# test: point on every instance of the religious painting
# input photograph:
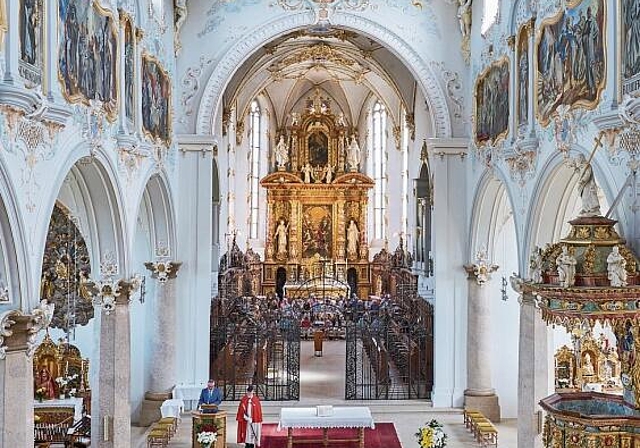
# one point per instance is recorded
(492, 103)
(522, 76)
(630, 45)
(570, 58)
(156, 100)
(66, 270)
(318, 144)
(317, 231)
(88, 54)
(31, 45)
(129, 66)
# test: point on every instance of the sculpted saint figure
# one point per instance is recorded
(353, 154)
(535, 265)
(282, 153)
(616, 268)
(588, 369)
(328, 174)
(353, 236)
(281, 237)
(587, 188)
(307, 171)
(464, 17)
(566, 268)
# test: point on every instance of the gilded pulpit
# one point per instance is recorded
(317, 205)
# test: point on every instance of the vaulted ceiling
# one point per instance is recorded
(348, 67)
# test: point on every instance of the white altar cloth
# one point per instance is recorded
(172, 407)
(75, 403)
(189, 393)
(343, 417)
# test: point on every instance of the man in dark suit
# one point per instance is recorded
(210, 394)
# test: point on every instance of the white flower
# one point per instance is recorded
(207, 437)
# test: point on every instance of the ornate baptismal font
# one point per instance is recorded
(590, 276)
(317, 207)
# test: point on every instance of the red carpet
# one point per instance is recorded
(384, 436)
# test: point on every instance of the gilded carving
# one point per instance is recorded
(589, 260)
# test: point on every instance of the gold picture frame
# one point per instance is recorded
(152, 67)
(491, 88)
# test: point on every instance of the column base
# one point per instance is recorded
(150, 411)
(487, 404)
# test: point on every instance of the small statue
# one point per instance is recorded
(588, 369)
(616, 268)
(566, 268)
(281, 236)
(535, 265)
(340, 120)
(306, 172)
(295, 118)
(328, 174)
(353, 154)
(464, 17)
(282, 153)
(587, 188)
(180, 16)
(353, 237)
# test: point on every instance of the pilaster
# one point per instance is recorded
(448, 159)
(480, 394)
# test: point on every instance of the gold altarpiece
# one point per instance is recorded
(317, 204)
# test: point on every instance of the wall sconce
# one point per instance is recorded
(503, 289)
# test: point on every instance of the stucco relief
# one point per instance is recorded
(244, 47)
(190, 86)
(453, 85)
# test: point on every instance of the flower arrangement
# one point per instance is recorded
(64, 381)
(432, 435)
(207, 434)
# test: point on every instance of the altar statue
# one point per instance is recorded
(566, 268)
(535, 265)
(616, 268)
(353, 154)
(45, 385)
(328, 174)
(281, 237)
(306, 172)
(588, 369)
(464, 17)
(353, 236)
(282, 153)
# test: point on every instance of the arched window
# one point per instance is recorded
(254, 172)
(490, 9)
(379, 146)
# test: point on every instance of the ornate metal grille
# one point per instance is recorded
(389, 354)
(252, 343)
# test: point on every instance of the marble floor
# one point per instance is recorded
(322, 382)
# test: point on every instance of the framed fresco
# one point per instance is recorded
(31, 44)
(630, 46)
(570, 57)
(522, 76)
(317, 233)
(156, 100)
(88, 54)
(129, 65)
(491, 104)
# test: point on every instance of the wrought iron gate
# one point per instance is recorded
(252, 343)
(389, 356)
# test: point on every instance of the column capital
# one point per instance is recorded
(18, 331)
(481, 270)
(111, 293)
(163, 270)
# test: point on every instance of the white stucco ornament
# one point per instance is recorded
(481, 269)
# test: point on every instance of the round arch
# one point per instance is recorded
(490, 197)
(94, 180)
(557, 200)
(14, 250)
(243, 48)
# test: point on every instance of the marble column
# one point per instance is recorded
(17, 336)
(162, 374)
(480, 394)
(533, 373)
(111, 407)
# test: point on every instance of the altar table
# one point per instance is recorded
(172, 408)
(342, 417)
(75, 403)
(190, 393)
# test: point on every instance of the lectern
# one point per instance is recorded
(200, 419)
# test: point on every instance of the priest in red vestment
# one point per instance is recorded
(249, 419)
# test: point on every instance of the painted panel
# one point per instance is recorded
(87, 55)
(570, 58)
(156, 100)
(129, 67)
(631, 45)
(316, 231)
(31, 45)
(522, 77)
(491, 105)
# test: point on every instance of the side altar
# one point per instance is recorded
(317, 201)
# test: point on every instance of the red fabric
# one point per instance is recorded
(256, 415)
(384, 436)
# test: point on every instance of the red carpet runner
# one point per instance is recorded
(384, 436)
